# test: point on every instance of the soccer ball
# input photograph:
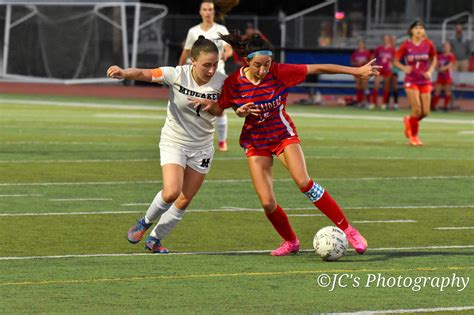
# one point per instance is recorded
(330, 243)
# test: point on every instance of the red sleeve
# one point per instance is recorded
(225, 99)
(400, 52)
(289, 74)
(452, 58)
(432, 52)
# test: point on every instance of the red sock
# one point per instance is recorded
(375, 95)
(434, 101)
(447, 101)
(280, 222)
(414, 123)
(324, 202)
(359, 96)
(367, 95)
(386, 95)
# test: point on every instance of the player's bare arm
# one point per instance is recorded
(399, 65)
(129, 74)
(364, 72)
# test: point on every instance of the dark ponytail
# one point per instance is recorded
(244, 46)
(203, 45)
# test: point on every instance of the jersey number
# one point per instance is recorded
(197, 110)
(205, 162)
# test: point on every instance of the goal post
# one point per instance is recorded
(75, 42)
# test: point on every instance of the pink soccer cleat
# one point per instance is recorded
(286, 248)
(355, 239)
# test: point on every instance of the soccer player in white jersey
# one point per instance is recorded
(186, 143)
(210, 30)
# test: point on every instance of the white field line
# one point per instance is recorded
(386, 221)
(83, 104)
(130, 116)
(242, 252)
(306, 215)
(381, 118)
(227, 209)
(375, 158)
(21, 195)
(413, 310)
(219, 181)
(466, 132)
(455, 228)
(162, 108)
(81, 199)
(69, 143)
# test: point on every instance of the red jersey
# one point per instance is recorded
(443, 61)
(273, 124)
(384, 57)
(360, 57)
(417, 57)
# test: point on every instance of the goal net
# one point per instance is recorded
(76, 42)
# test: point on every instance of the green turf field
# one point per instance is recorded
(76, 173)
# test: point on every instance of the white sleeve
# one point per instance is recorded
(190, 39)
(170, 75)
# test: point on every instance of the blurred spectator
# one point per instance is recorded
(461, 49)
(325, 38)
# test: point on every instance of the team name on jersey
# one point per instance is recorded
(418, 57)
(188, 92)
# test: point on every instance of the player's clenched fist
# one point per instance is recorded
(115, 72)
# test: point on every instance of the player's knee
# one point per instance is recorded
(170, 195)
(269, 206)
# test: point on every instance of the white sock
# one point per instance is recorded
(156, 208)
(167, 222)
(221, 123)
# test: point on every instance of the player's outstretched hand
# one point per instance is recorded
(115, 72)
(203, 104)
(247, 109)
(369, 70)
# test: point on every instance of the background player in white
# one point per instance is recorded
(186, 143)
(211, 30)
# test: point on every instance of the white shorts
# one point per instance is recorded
(198, 160)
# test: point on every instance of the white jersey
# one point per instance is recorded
(212, 34)
(186, 126)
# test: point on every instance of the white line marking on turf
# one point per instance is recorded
(466, 132)
(85, 104)
(386, 221)
(305, 215)
(414, 310)
(389, 249)
(81, 199)
(455, 228)
(219, 181)
(383, 158)
(130, 116)
(21, 195)
(227, 209)
(163, 108)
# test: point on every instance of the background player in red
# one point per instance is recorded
(359, 58)
(384, 55)
(446, 61)
(258, 92)
(419, 57)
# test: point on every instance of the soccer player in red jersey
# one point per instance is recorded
(419, 56)
(258, 92)
(446, 61)
(384, 54)
(359, 58)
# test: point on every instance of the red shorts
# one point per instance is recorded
(386, 74)
(276, 149)
(423, 89)
(444, 81)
